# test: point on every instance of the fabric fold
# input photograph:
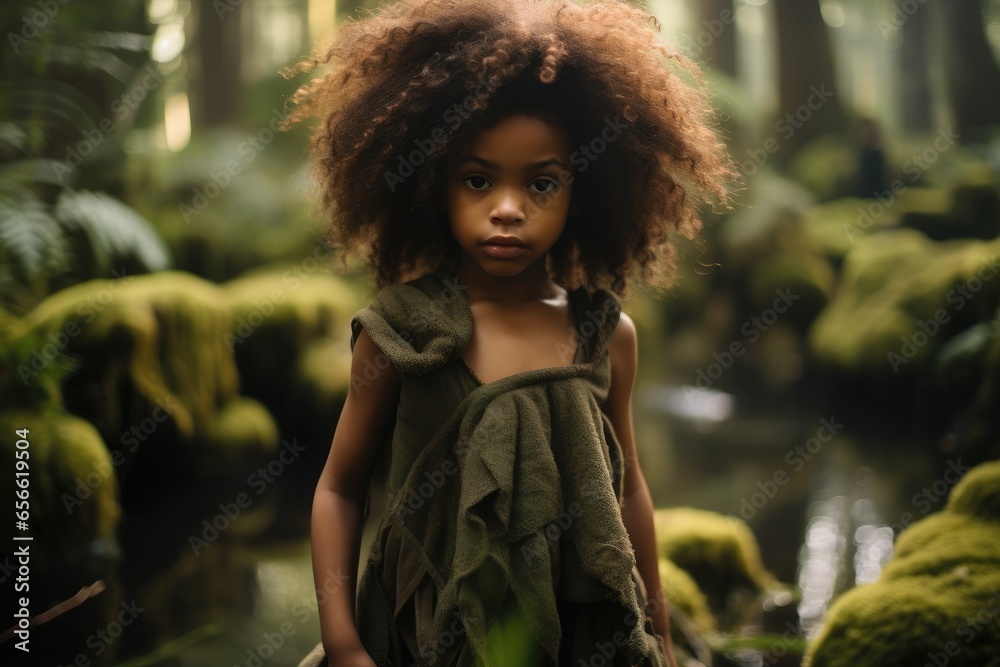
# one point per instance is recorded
(517, 493)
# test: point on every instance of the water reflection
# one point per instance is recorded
(822, 558)
(873, 543)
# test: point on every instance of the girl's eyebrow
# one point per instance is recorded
(492, 165)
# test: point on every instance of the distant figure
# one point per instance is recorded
(871, 162)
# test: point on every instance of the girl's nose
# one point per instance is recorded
(509, 208)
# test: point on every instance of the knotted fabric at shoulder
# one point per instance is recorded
(419, 325)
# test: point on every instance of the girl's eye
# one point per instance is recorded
(542, 186)
(477, 182)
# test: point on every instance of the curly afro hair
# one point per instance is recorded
(412, 84)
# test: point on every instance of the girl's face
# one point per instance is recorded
(508, 194)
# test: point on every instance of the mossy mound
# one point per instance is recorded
(839, 224)
(74, 511)
(325, 370)
(801, 276)
(828, 166)
(306, 304)
(938, 599)
(891, 283)
(772, 254)
(153, 351)
(720, 554)
(74, 522)
(683, 593)
(978, 493)
(164, 332)
(291, 337)
(836, 226)
(240, 428)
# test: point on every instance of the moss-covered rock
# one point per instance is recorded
(683, 593)
(163, 332)
(325, 370)
(291, 338)
(153, 366)
(771, 252)
(73, 522)
(937, 601)
(892, 282)
(720, 554)
(72, 486)
(240, 428)
(978, 494)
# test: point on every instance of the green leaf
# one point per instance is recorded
(114, 229)
(32, 238)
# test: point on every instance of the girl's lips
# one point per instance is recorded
(504, 250)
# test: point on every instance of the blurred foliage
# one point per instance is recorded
(60, 76)
(228, 202)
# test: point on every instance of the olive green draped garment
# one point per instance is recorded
(504, 524)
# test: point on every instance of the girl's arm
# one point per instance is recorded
(637, 505)
(340, 500)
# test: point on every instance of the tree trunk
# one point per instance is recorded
(218, 84)
(810, 105)
(914, 93)
(714, 39)
(972, 77)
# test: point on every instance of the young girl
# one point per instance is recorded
(509, 167)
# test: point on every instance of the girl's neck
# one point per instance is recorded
(531, 284)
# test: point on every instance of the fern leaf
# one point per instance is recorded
(115, 230)
(32, 238)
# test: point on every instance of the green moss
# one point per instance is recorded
(164, 332)
(831, 225)
(74, 511)
(325, 370)
(929, 547)
(683, 593)
(978, 493)
(827, 166)
(309, 304)
(836, 226)
(291, 337)
(875, 260)
(890, 283)
(932, 201)
(719, 552)
(807, 276)
(938, 596)
(242, 429)
(903, 622)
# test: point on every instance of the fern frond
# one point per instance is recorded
(113, 229)
(31, 238)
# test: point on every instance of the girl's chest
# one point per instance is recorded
(506, 342)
